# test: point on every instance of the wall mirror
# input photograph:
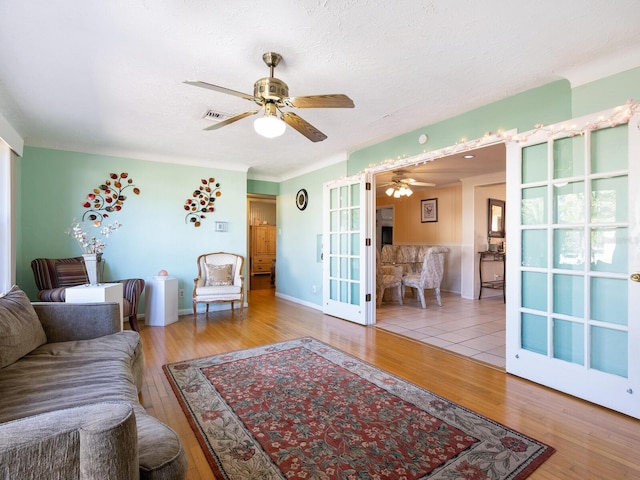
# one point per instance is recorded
(496, 218)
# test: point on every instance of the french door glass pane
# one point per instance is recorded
(344, 198)
(355, 195)
(568, 341)
(334, 219)
(355, 219)
(568, 157)
(609, 149)
(334, 246)
(344, 243)
(534, 163)
(355, 294)
(534, 333)
(534, 248)
(609, 300)
(609, 200)
(344, 292)
(609, 350)
(334, 199)
(333, 290)
(534, 206)
(568, 294)
(569, 249)
(609, 250)
(569, 203)
(355, 244)
(334, 267)
(344, 220)
(534, 290)
(355, 269)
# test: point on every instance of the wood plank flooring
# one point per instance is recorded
(591, 442)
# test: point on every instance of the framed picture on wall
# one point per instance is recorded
(429, 210)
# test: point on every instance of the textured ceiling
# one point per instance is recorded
(106, 77)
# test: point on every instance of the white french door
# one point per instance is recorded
(348, 280)
(573, 299)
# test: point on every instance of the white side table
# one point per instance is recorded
(103, 292)
(161, 305)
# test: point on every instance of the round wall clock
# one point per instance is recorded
(302, 199)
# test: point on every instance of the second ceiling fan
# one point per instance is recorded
(400, 184)
(272, 94)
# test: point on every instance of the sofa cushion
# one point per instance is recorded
(20, 330)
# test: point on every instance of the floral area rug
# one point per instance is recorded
(304, 410)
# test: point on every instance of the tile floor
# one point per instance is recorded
(474, 328)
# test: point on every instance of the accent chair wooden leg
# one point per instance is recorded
(194, 309)
(133, 322)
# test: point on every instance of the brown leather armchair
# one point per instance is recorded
(54, 275)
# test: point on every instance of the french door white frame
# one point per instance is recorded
(347, 249)
(617, 392)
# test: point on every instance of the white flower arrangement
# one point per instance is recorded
(92, 243)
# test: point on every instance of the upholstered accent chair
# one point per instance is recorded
(219, 279)
(430, 276)
(54, 275)
(387, 276)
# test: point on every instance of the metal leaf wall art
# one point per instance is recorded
(108, 197)
(202, 201)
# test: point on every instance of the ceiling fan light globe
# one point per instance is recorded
(408, 192)
(396, 194)
(269, 126)
(389, 191)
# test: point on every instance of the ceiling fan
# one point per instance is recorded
(272, 94)
(400, 184)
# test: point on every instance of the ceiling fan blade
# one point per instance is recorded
(304, 127)
(222, 90)
(215, 126)
(423, 184)
(320, 101)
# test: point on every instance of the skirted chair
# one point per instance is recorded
(387, 276)
(430, 276)
(219, 279)
(54, 275)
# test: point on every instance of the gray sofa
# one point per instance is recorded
(69, 409)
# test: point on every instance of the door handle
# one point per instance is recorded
(635, 277)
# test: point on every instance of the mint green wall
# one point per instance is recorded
(547, 104)
(298, 270)
(606, 93)
(154, 235)
(260, 187)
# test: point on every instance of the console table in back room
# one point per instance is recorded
(495, 283)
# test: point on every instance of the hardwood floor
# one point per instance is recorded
(591, 442)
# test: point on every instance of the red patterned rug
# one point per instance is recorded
(302, 409)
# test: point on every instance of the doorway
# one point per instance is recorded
(261, 223)
(462, 187)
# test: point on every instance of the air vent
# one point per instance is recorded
(215, 115)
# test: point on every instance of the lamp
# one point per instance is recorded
(269, 125)
(398, 191)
